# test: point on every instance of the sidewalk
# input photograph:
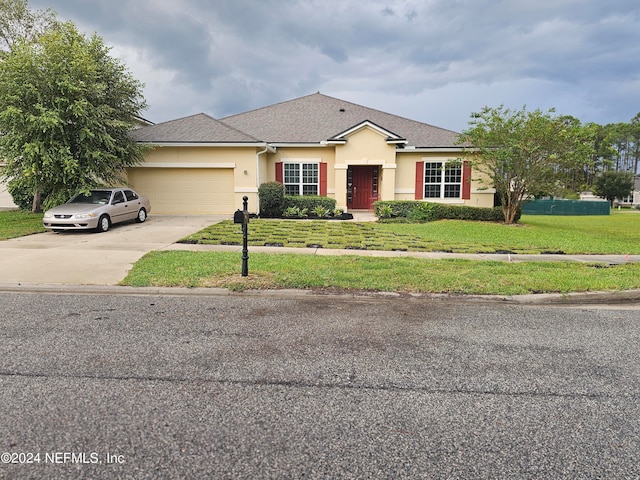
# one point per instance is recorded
(498, 257)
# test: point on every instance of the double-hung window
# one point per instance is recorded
(301, 178)
(442, 180)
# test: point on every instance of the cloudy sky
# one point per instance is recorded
(435, 61)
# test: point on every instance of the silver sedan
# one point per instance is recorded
(98, 210)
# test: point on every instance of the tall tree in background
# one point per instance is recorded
(573, 172)
(624, 139)
(18, 23)
(66, 110)
(521, 153)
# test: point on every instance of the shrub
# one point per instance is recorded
(321, 212)
(418, 211)
(385, 211)
(398, 208)
(310, 202)
(294, 212)
(425, 212)
(21, 194)
(272, 203)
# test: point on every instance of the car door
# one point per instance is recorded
(134, 203)
(119, 210)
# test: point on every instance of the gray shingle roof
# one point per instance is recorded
(317, 117)
(311, 119)
(198, 128)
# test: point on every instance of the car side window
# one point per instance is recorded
(131, 196)
(118, 198)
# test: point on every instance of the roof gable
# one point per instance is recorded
(390, 136)
(316, 118)
(200, 128)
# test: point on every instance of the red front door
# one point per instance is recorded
(361, 188)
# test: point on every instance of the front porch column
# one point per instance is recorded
(341, 186)
(388, 182)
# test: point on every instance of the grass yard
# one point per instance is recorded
(618, 233)
(18, 223)
(274, 271)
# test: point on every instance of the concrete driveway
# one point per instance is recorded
(88, 258)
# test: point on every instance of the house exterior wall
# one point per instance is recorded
(241, 160)
(301, 154)
(365, 147)
(369, 147)
(406, 179)
(397, 168)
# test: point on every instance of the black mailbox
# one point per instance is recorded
(242, 217)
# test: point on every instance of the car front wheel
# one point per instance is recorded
(103, 223)
(142, 215)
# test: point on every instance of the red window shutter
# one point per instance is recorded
(323, 179)
(419, 180)
(466, 180)
(279, 172)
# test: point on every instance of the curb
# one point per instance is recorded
(578, 298)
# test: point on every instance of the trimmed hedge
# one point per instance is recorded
(271, 195)
(418, 211)
(310, 202)
(273, 201)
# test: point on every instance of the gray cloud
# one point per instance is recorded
(434, 61)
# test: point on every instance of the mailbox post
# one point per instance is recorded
(243, 218)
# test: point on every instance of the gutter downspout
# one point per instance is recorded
(267, 148)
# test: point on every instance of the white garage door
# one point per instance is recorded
(185, 190)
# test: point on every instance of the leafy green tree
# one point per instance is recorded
(521, 153)
(612, 185)
(66, 111)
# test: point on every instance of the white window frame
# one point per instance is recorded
(301, 183)
(442, 183)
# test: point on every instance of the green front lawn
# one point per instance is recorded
(403, 274)
(18, 223)
(615, 234)
(618, 233)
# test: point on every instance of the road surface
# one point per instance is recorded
(287, 386)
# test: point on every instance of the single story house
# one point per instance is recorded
(314, 145)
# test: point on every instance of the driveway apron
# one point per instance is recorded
(88, 258)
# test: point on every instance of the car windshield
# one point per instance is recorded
(98, 197)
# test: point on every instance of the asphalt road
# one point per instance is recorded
(263, 386)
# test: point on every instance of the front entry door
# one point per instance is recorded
(362, 187)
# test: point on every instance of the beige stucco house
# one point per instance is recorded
(314, 145)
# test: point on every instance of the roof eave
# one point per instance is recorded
(411, 149)
(300, 144)
(204, 144)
